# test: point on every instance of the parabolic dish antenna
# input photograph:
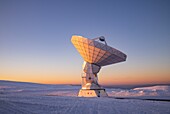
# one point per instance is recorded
(96, 53)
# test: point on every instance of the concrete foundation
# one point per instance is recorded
(92, 93)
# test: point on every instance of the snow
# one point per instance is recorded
(30, 98)
(154, 92)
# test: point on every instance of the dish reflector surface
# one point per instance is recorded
(96, 52)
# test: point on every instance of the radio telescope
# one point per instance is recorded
(96, 53)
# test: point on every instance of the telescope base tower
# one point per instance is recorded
(92, 93)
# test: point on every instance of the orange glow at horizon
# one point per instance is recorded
(112, 75)
(108, 80)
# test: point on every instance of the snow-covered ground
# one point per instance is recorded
(30, 98)
(152, 92)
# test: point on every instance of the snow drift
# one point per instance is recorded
(162, 92)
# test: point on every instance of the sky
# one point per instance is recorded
(35, 39)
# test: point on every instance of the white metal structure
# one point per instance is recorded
(96, 53)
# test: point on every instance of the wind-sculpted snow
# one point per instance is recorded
(143, 92)
(29, 98)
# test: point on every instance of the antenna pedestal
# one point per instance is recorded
(90, 86)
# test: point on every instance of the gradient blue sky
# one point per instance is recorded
(35, 38)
